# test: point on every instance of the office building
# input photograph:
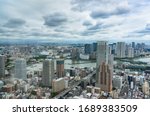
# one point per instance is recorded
(2, 66)
(94, 47)
(130, 52)
(48, 72)
(58, 85)
(88, 48)
(102, 53)
(133, 44)
(105, 77)
(20, 69)
(145, 88)
(75, 54)
(60, 68)
(121, 49)
(117, 82)
(104, 71)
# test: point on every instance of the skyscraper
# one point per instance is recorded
(133, 44)
(60, 68)
(104, 66)
(88, 48)
(75, 54)
(48, 72)
(2, 66)
(121, 49)
(105, 77)
(102, 52)
(130, 52)
(94, 47)
(20, 69)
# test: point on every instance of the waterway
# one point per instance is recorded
(77, 64)
(146, 59)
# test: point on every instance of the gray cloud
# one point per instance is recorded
(95, 27)
(82, 5)
(91, 30)
(88, 32)
(106, 14)
(87, 23)
(55, 19)
(145, 31)
(14, 23)
(101, 8)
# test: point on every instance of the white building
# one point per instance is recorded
(20, 69)
(117, 82)
(84, 56)
(145, 88)
(58, 85)
(130, 52)
(121, 49)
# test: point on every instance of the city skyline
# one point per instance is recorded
(75, 20)
(89, 71)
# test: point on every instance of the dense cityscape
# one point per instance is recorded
(99, 70)
(74, 49)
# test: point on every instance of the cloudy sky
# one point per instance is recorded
(75, 19)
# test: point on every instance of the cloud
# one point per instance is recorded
(145, 31)
(55, 19)
(14, 23)
(75, 19)
(87, 23)
(107, 13)
(101, 8)
(91, 29)
(95, 27)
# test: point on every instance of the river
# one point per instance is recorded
(80, 64)
(147, 60)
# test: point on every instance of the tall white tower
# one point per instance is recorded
(121, 49)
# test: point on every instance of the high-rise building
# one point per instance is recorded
(104, 71)
(88, 48)
(75, 54)
(121, 49)
(2, 66)
(105, 77)
(48, 72)
(94, 47)
(60, 68)
(102, 52)
(20, 69)
(130, 52)
(133, 44)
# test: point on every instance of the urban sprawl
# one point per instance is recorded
(99, 70)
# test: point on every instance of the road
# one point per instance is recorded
(61, 94)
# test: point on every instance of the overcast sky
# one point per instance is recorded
(75, 19)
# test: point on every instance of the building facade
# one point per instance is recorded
(104, 68)
(48, 72)
(121, 49)
(60, 68)
(20, 69)
(2, 66)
